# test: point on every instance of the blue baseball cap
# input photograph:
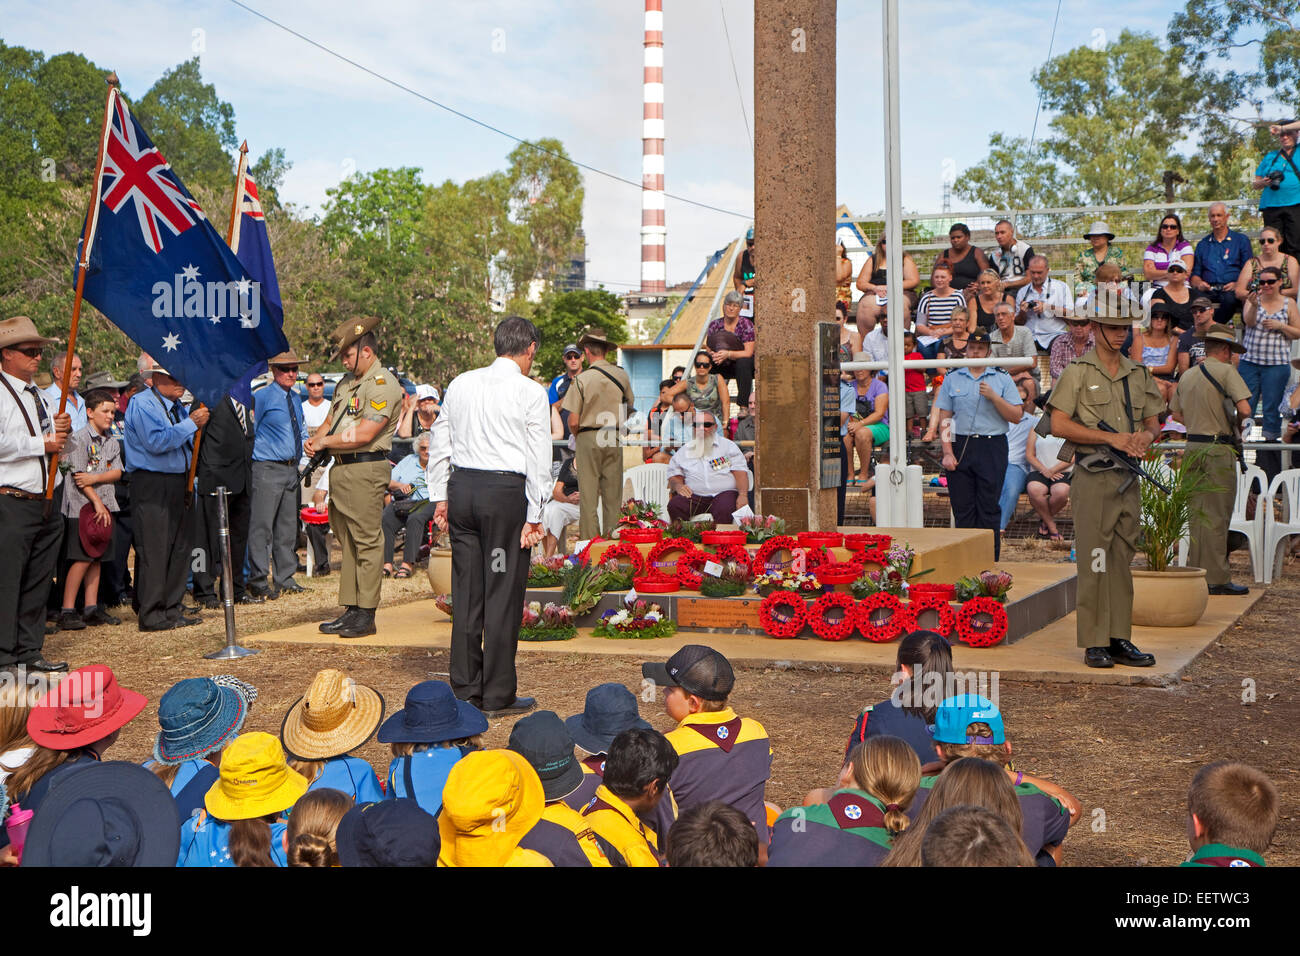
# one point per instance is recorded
(955, 714)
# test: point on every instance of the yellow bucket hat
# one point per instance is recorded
(491, 799)
(336, 716)
(255, 780)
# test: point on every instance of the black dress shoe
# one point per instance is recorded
(209, 601)
(361, 625)
(249, 598)
(322, 570)
(292, 587)
(262, 591)
(522, 705)
(164, 626)
(343, 620)
(71, 621)
(100, 617)
(1236, 590)
(302, 568)
(184, 621)
(1098, 657)
(1123, 652)
(44, 666)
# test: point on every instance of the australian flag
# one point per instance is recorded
(163, 275)
(252, 247)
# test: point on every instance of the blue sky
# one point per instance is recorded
(572, 69)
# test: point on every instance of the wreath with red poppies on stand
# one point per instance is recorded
(732, 552)
(625, 549)
(832, 616)
(783, 614)
(584, 556)
(781, 542)
(690, 568)
(664, 549)
(883, 628)
(977, 631)
(857, 542)
(814, 558)
(876, 554)
(922, 601)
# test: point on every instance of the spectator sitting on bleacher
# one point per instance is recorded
(1012, 341)
(675, 427)
(1013, 485)
(1042, 303)
(707, 475)
(410, 507)
(1075, 344)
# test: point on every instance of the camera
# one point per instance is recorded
(1274, 179)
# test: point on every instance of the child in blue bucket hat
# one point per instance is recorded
(608, 710)
(198, 717)
(428, 736)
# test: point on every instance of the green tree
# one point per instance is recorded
(385, 206)
(191, 126)
(269, 172)
(562, 316)
(545, 195)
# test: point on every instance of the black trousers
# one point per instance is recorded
(742, 370)
(319, 543)
(207, 537)
(31, 548)
(1286, 220)
(162, 553)
(114, 574)
(489, 572)
(975, 487)
(1226, 305)
(841, 493)
(414, 515)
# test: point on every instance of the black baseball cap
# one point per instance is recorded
(696, 669)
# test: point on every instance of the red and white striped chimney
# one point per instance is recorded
(654, 273)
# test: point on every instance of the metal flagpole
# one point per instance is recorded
(231, 651)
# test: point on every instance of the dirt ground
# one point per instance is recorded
(1128, 753)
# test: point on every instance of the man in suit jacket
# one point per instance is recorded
(225, 458)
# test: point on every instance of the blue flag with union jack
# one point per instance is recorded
(252, 246)
(163, 275)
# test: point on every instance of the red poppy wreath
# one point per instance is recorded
(584, 556)
(665, 555)
(783, 614)
(629, 553)
(770, 547)
(732, 552)
(932, 612)
(883, 627)
(832, 616)
(974, 629)
(689, 565)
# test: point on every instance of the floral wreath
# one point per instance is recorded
(876, 554)
(996, 630)
(657, 553)
(781, 542)
(733, 552)
(830, 573)
(689, 566)
(827, 629)
(931, 601)
(625, 549)
(815, 557)
(815, 539)
(900, 621)
(634, 534)
(783, 614)
(944, 592)
(584, 556)
(859, 542)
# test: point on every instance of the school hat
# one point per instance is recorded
(94, 537)
(572, 349)
(85, 706)
(432, 715)
(491, 800)
(955, 714)
(255, 780)
(609, 710)
(337, 715)
(1222, 333)
(696, 669)
(199, 715)
(543, 741)
(1172, 425)
(1099, 228)
(105, 814)
(1201, 302)
(388, 833)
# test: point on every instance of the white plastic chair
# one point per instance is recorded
(650, 483)
(1277, 530)
(1252, 528)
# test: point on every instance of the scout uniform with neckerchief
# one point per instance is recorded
(1105, 521)
(1199, 403)
(359, 478)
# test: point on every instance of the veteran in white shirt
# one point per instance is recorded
(489, 474)
(708, 474)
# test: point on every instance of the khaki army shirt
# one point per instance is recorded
(596, 399)
(375, 396)
(1087, 393)
(1201, 405)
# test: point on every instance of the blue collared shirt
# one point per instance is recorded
(76, 405)
(972, 413)
(152, 440)
(409, 471)
(1219, 263)
(273, 430)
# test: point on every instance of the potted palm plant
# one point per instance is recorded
(1165, 595)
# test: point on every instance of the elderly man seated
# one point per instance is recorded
(707, 474)
(410, 506)
(561, 509)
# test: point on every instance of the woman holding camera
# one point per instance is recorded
(1271, 255)
(1272, 323)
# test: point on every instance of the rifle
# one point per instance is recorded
(320, 458)
(1136, 470)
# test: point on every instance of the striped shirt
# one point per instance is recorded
(1264, 347)
(936, 312)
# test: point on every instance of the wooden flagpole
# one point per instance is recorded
(232, 240)
(83, 263)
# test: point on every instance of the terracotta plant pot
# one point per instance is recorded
(440, 570)
(1173, 598)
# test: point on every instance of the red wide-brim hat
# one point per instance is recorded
(94, 536)
(85, 706)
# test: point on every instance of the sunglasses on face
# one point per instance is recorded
(31, 352)
(1169, 225)
(708, 425)
(315, 384)
(1267, 241)
(703, 365)
(1268, 282)
(286, 368)
(1080, 324)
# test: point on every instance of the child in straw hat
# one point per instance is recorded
(336, 716)
(428, 736)
(243, 824)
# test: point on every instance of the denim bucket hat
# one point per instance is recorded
(200, 715)
(432, 715)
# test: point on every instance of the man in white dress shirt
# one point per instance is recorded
(29, 434)
(707, 475)
(494, 437)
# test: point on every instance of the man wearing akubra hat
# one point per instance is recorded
(359, 434)
(29, 434)
(1104, 385)
(597, 403)
(1202, 403)
(158, 442)
(280, 433)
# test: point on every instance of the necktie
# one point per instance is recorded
(41, 414)
(242, 414)
(174, 413)
(294, 426)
